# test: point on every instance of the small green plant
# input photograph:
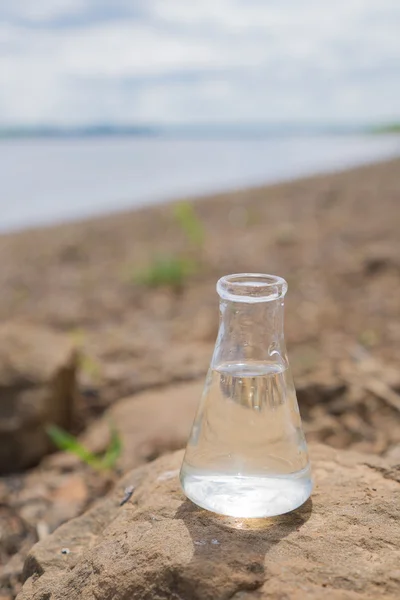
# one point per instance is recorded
(67, 442)
(173, 270)
(90, 366)
(170, 271)
(190, 223)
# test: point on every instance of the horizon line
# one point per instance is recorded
(204, 128)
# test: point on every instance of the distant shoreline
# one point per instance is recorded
(205, 130)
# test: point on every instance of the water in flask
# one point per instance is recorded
(247, 455)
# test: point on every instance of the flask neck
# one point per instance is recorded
(251, 332)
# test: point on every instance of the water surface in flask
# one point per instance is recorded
(247, 456)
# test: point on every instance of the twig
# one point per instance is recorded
(127, 495)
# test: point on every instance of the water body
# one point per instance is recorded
(47, 181)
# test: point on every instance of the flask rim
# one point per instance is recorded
(251, 287)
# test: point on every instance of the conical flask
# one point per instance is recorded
(247, 455)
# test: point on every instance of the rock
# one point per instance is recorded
(150, 423)
(37, 387)
(342, 544)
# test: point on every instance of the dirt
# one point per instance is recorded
(333, 237)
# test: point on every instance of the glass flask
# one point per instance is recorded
(247, 455)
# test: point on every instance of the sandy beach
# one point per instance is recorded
(333, 237)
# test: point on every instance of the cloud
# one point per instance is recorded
(76, 61)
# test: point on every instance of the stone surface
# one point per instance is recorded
(158, 421)
(343, 544)
(37, 387)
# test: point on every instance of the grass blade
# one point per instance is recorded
(67, 442)
(113, 451)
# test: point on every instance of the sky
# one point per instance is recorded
(82, 62)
